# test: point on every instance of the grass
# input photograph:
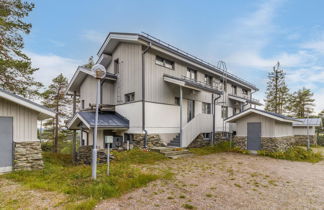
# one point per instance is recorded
(295, 154)
(217, 148)
(61, 176)
(188, 206)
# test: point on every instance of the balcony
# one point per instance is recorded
(244, 98)
(192, 84)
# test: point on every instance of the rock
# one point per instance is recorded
(28, 155)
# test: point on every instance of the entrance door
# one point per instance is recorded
(191, 109)
(6, 140)
(254, 136)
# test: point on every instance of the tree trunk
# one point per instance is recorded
(56, 134)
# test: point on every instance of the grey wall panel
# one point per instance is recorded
(6, 140)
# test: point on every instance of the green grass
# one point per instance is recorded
(295, 154)
(60, 175)
(217, 148)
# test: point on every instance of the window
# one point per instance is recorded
(207, 136)
(177, 101)
(224, 85)
(236, 111)
(245, 92)
(206, 108)
(234, 90)
(129, 97)
(116, 66)
(191, 74)
(208, 80)
(82, 104)
(164, 62)
(224, 112)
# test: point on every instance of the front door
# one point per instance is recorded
(254, 136)
(191, 109)
(6, 140)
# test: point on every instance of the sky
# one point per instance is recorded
(250, 36)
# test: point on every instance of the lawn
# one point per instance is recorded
(75, 181)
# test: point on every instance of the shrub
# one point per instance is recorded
(295, 154)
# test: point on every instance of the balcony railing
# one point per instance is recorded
(247, 98)
(202, 83)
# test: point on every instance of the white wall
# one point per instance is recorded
(283, 129)
(303, 130)
(133, 112)
(88, 91)
(24, 120)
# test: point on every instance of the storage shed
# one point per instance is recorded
(19, 147)
(300, 130)
(262, 130)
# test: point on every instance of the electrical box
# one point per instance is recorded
(109, 139)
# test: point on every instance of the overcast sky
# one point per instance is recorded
(250, 36)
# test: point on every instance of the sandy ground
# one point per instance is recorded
(230, 181)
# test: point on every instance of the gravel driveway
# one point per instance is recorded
(230, 181)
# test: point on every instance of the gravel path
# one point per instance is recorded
(230, 181)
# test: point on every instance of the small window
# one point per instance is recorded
(129, 97)
(207, 136)
(206, 108)
(245, 92)
(116, 66)
(82, 104)
(191, 74)
(224, 112)
(234, 90)
(164, 62)
(177, 101)
(236, 111)
(208, 80)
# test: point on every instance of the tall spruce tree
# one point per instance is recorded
(55, 98)
(277, 93)
(16, 72)
(301, 103)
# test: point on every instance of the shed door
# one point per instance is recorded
(254, 136)
(5, 144)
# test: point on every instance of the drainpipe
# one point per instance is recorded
(214, 114)
(143, 93)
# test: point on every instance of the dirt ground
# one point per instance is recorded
(230, 181)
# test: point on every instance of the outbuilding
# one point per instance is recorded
(262, 130)
(304, 128)
(20, 148)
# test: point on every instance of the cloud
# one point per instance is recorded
(51, 66)
(93, 36)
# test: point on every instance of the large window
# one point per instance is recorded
(129, 97)
(234, 90)
(192, 74)
(208, 80)
(164, 62)
(245, 92)
(206, 108)
(116, 66)
(224, 112)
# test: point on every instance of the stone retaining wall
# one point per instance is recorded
(153, 140)
(85, 155)
(199, 142)
(240, 142)
(302, 140)
(28, 155)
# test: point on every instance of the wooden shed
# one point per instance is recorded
(262, 130)
(19, 146)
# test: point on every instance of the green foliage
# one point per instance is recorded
(301, 103)
(295, 154)
(188, 206)
(15, 67)
(90, 63)
(277, 93)
(62, 176)
(220, 147)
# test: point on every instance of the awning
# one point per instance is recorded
(109, 120)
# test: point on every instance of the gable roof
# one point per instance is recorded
(272, 115)
(114, 38)
(43, 111)
(311, 122)
(105, 120)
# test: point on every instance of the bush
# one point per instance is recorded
(295, 154)
(47, 146)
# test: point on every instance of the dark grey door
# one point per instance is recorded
(191, 109)
(5, 142)
(254, 136)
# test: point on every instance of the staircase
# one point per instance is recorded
(175, 142)
(173, 153)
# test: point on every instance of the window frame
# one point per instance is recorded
(191, 72)
(163, 62)
(210, 79)
(129, 97)
(245, 92)
(116, 66)
(224, 112)
(206, 108)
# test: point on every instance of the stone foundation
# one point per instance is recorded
(85, 155)
(270, 144)
(153, 140)
(199, 142)
(301, 140)
(28, 155)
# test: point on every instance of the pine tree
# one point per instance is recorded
(15, 67)
(90, 63)
(301, 103)
(277, 93)
(55, 98)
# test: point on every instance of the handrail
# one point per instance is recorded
(201, 123)
(201, 83)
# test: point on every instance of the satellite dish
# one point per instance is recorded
(99, 70)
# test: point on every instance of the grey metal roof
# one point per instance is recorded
(310, 122)
(278, 115)
(105, 119)
(26, 100)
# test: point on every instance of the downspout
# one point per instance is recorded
(214, 115)
(143, 93)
